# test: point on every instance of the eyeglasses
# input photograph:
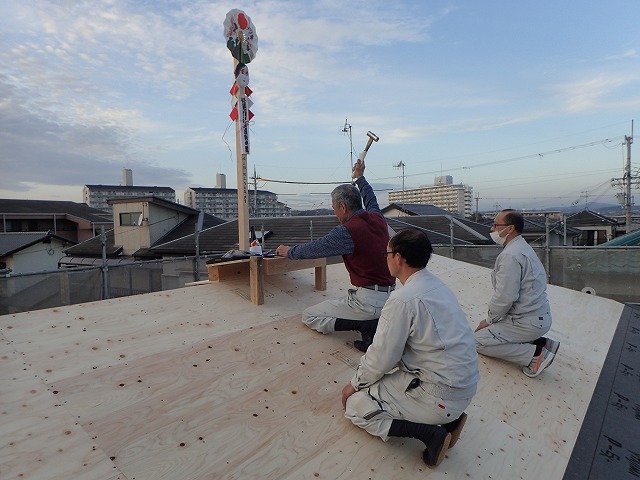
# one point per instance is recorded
(501, 225)
(387, 253)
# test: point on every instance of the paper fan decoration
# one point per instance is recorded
(240, 33)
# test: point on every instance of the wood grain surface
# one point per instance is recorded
(198, 383)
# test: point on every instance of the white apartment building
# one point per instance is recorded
(456, 199)
(223, 202)
(96, 196)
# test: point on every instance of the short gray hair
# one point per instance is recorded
(347, 194)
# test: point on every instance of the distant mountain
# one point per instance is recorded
(607, 209)
(311, 213)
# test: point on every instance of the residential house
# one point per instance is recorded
(29, 252)
(73, 221)
(139, 223)
(596, 228)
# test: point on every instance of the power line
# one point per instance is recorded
(299, 183)
(486, 164)
(514, 159)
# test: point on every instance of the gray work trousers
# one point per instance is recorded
(359, 304)
(509, 339)
(374, 409)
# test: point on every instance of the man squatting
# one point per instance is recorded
(425, 334)
(360, 238)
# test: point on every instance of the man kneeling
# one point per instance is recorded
(423, 331)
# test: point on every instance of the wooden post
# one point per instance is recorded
(256, 280)
(321, 278)
(242, 121)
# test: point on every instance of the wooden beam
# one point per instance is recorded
(277, 265)
(256, 280)
(220, 271)
(258, 267)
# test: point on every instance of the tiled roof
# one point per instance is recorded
(218, 236)
(16, 208)
(295, 230)
(537, 224)
(13, 242)
(188, 227)
(416, 209)
(155, 200)
(588, 218)
(464, 231)
(224, 237)
(93, 247)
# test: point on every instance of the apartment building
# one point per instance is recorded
(98, 196)
(223, 202)
(455, 199)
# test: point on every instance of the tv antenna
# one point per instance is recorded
(347, 129)
(401, 165)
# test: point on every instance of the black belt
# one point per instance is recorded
(380, 288)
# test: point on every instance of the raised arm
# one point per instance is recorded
(368, 197)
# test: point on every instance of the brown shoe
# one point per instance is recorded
(455, 428)
(434, 456)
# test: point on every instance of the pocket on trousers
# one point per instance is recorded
(537, 322)
(415, 383)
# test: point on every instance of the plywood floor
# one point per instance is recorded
(198, 383)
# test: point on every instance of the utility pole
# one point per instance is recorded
(255, 192)
(105, 266)
(628, 203)
(477, 212)
(626, 181)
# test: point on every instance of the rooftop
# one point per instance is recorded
(199, 383)
(43, 208)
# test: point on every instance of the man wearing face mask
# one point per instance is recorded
(519, 312)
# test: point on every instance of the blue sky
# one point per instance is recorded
(526, 102)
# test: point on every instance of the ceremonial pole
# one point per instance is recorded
(241, 161)
(242, 41)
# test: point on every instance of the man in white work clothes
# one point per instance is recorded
(519, 312)
(421, 371)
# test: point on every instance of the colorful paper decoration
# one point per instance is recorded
(240, 33)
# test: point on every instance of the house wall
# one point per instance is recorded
(36, 258)
(131, 237)
(595, 235)
(156, 222)
(162, 221)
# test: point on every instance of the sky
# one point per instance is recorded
(528, 103)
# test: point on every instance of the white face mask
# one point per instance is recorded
(495, 236)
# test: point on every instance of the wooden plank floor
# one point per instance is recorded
(198, 383)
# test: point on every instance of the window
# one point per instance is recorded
(130, 219)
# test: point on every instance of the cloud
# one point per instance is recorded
(596, 92)
(39, 148)
(631, 53)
